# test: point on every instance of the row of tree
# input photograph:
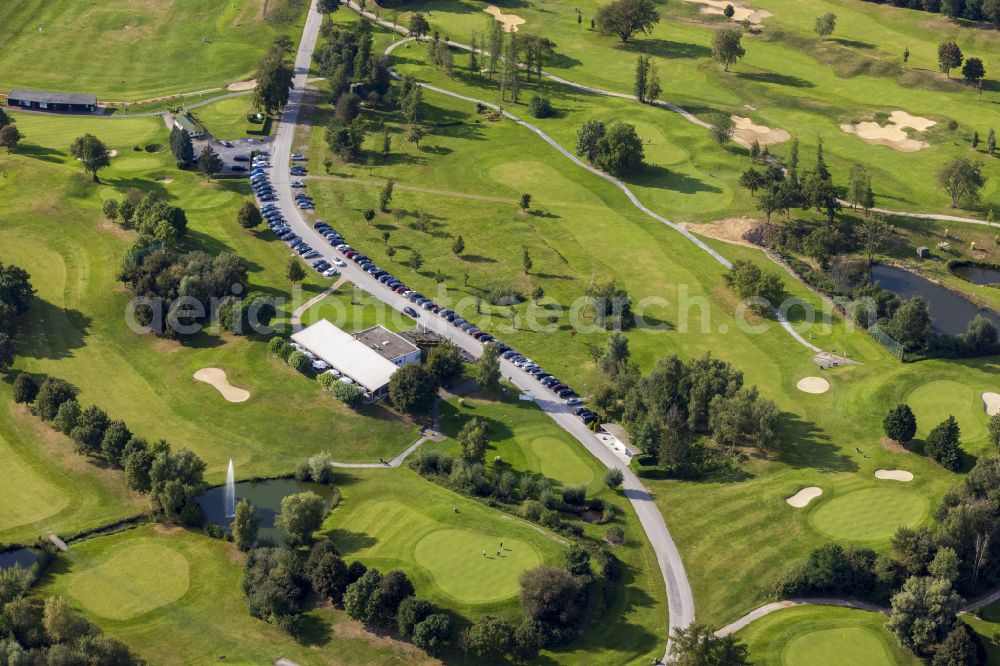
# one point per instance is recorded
(173, 479)
(972, 10)
(942, 444)
(148, 214)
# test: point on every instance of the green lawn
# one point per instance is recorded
(174, 597)
(150, 49)
(871, 514)
(810, 635)
(934, 401)
(227, 118)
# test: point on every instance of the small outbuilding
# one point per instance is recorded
(185, 122)
(389, 345)
(48, 101)
(923, 252)
(615, 437)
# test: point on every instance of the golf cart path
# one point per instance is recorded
(299, 311)
(684, 113)
(679, 596)
(413, 188)
(395, 462)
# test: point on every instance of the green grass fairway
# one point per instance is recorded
(156, 48)
(455, 559)
(934, 401)
(820, 635)
(396, 519)
(870, 514)
(27, 497)
(558, 463)
(139, 577)
(227, 118)
(206, 621)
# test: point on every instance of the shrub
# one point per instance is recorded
(320, 469)
(275, 345)
(299, 361)
(51, 395)
(504, 295)
(615, 534)
(25, 388)
(433, 634)
(412, 611)
(349, 394)
(574, 495)
(540, 107)
(613, 477)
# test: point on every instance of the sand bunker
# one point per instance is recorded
(217, 378)
(745, 132)
(804, 496)
(991, 401)
(813, 385)
(510, 21)
(238, 86)
(893, 475)
(741, 12)
(165, 181)
(892, 134)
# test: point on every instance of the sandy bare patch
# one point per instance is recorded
(813, 385)
(165, 181)
(893, 475)
(893, 133)
(112, 153)
(510, 21)
(216, 377)
(239, 86)
(741, 11)
(804, 496)
(991, 401)
(746, 131)
(730, 230)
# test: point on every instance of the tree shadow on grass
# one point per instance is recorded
(804, 445)
(653, 175)
(348, 542)
(41, 153)
(49, 331)
(666, 48)
(853, 43)
(776, 79)
(478, 259)
(312, 631)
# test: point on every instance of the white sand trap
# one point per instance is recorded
(745, 132)
(804, 496)
(813, 385)
(238, 86)
(510, 21)
(216, 377)
(165, 181)
(991, 401)
(893, 475)
(892, 134)
(741, 12)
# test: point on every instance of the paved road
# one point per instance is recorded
(679, 595)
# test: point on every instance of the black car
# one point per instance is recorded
(410, 311)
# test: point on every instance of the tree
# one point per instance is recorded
(25, 388)
(949, 57)
(942, 444)
(540, 107)
(412, 389)
(249, 216)
(347, 108)
(301, 515)
(458, 245)
(385, 196)
(51, 395)
(726, 47)
(62, 623)
(729, 11)
(624, 18)
(721, 127)
(490, 637)
(88, 433)
(587, 138)
(415, 134)
(116, 438)
(209, 162)
(328, 6)
(433, 634)
(991, 142)
(444, 361)
(526, 260)
(763, 290)
(6, 352)
(922, 611)
(753, 180)
(973, 70)
(358, 596)
(957, 649)
(857, 183)
(525, 201)
(473, 440)
(327, 572)
(548, 595)
(744, 416)
(419, 26)
(416, 260)
(181, 147)
(412, 611)
(613, 477)
(619, 151)
(697, 645)
(874, 232)
(10, 136)
(900, 425)
(994, 430)
(488, 371)
(641, 74)
(245, 525)
(383, 606)
(345, 139)
(294, 271)
(91, 152)
(652, 83)
(825, 25)
(962, 179)
(274, 80)
(910, 324)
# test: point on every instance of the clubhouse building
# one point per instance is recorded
(47, 101)
(367, 358)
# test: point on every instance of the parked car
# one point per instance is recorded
(240, 158)
(410, 311)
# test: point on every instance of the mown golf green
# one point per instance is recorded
(808, 635)
(936, 400)
(181, 603)
(870, 514)
(119, 49)
(227, 118)
(139, 577)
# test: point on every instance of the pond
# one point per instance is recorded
(591, 516)
(977, 274)
(265, 496)
(23, 556)
(950, 313)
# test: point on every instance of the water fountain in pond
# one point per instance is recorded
(230, 496)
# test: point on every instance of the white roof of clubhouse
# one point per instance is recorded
(349, 356)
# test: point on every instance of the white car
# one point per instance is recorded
(330, 272)
(320, 366)
(339, 262)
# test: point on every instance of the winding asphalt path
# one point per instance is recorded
(679, 596)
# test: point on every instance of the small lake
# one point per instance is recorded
(977, 274)
(950, 313)
(23, 556)
(265, 496)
